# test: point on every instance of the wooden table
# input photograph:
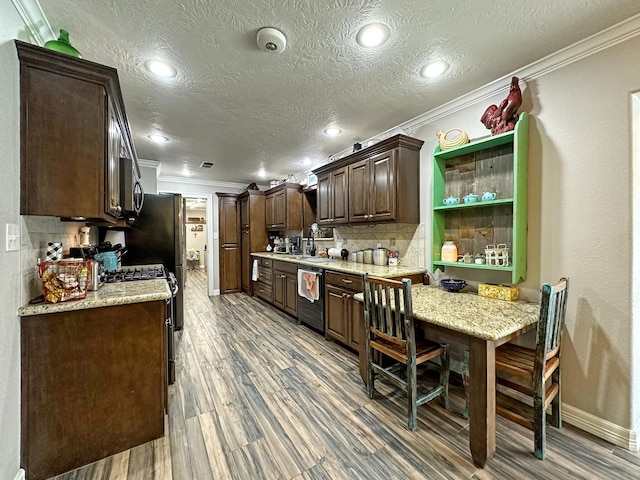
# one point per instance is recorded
(482, 324)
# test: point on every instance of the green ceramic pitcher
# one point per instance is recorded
(63, 45)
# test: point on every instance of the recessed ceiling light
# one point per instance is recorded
(434, 69)
(372, 35)
(186, 172)
(262, 172)
(333, 131)
(160, 68)
(155, 137)
(306, 161)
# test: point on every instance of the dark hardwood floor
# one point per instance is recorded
(259, 397)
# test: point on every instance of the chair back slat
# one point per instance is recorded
(385, 305)
(553, 306)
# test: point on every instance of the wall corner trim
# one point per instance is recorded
(20, 475)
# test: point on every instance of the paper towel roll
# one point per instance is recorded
(334, 252)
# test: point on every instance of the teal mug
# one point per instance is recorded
(109, 260)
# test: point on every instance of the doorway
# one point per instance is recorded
(196, 238)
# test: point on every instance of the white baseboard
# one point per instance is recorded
(623, 437)
(216, 291)
(20, 475)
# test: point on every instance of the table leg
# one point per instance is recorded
(482, 400)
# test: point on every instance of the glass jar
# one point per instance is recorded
(449, 252)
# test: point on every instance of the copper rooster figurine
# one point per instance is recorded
(503, 118)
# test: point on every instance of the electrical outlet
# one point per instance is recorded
(12, 241)
(392, 242)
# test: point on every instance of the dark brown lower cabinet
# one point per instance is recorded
(263, 287)
(285, 287)
(343, 315)
(94, 384)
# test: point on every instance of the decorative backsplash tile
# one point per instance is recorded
(37, 232)
(408, 239)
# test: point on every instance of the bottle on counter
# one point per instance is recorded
(449, 252)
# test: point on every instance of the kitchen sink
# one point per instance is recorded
(317, 259)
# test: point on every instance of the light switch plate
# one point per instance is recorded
(12, 241)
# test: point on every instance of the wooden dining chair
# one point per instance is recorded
(390, 331)
(539, 368)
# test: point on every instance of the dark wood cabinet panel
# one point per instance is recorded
(333, 197)
(253, 235)
(372, 189)
(230, 243)
(285, 287)
(291, 295)
(344, 315)
(359, 192)
(263, 287)
(335, 318)
(283, 207)
(93, 384)
(73, 131)
(382, 205)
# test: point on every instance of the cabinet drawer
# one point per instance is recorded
(285, 267)
(265, 275)
(344, 280)
(265, 262)
(263, 291)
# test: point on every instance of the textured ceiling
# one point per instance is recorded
(244, 108)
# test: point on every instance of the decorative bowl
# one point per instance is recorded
(453, 285)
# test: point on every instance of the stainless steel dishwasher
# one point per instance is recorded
(310, 313)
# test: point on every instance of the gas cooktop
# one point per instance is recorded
(134, 273)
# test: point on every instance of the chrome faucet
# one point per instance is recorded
(312, 250)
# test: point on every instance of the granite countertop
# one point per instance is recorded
(468, 313)
(122, 293)
(345, 267)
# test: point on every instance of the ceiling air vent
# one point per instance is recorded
(207, 164)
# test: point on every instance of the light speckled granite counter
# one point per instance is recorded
(345, 267)
(467, 313)
(109, 294)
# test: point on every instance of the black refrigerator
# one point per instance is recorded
(157, 236)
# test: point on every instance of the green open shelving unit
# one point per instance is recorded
(496, 160)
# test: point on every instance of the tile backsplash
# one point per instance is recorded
(36, 234)
(408, 239)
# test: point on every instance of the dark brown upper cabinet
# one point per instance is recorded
(283, 207)
(73, 132)
(378, 184)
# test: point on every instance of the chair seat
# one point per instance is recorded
(425, 350)
(520, 361)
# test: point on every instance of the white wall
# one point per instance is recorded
(197, 240)
(11, 26)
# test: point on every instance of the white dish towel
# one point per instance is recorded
(308, 285)
(254, 271)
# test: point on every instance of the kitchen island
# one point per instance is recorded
(94, 379)
(481, 324)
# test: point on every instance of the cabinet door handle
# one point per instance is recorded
(347, 281)
(283, 276)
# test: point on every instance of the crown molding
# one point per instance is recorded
(607, 38)
(199, 181)
(35, 20)
(148, 163)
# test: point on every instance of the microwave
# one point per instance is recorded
(131, 191)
